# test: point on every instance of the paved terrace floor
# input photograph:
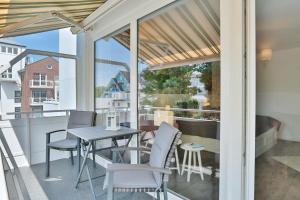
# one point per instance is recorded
(60, 185)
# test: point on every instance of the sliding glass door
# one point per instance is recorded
(277, 138)
(179, 83)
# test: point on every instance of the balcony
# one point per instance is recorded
(36, 101)
(41, 84)
(26, 138)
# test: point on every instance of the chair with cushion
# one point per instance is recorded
(151, 177)
(77, 119)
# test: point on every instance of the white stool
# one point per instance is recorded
(177, 167)
(192, 151)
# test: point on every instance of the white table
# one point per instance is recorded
(92, 134)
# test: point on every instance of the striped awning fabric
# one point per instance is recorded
(185, 33)
(20, 17)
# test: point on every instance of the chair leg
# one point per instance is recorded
(47, 161)
(110, 193)
(165, 191)
(72, 158)
(184, 161)
(189, 166)
(158, 195)
(177, 161)
(94, 154)
(79, 153)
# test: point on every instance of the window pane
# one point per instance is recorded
(32, 75)
(15, 50)
(277, 141)
(9, 50)
(3, 49)
(112, 76)
(177, 86)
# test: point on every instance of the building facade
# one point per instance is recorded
(40, 84)
(10, 83)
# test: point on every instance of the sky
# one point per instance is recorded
(46, 41)
(108, 49)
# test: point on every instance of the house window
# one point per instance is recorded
(9, 50)
(7, 73)
(37, 111)
(15, 50)
(39, 79)
(49, 66)
(39, 96)
(18, 95)
(3, 49)
(17, 112)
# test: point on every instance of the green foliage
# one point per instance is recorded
(206, 70)
(168, 81)
(99, 91)
(190, 104)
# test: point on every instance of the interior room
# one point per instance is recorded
(277, 100)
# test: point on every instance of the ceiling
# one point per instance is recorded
(19, 17)
(278, 24)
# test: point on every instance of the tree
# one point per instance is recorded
(167, 86)
(99, 91)
(168, 81)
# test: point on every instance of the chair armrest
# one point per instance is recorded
(130, 149)
(48, 134)
(60, 130)
(136, 167)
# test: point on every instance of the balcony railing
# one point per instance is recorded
(41, 84)
(39, 100)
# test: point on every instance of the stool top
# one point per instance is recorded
(192, 147)
(151, 141)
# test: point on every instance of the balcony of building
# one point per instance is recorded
(41, 84)
(38, 101)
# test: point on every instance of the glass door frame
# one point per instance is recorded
(250, 103)
(233, 95)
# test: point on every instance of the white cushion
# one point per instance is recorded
(164, 139)
(132, 179)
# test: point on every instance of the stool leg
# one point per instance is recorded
(200, 165)
(194, 160)
(177, 161)
(189, 166)
(184, 161)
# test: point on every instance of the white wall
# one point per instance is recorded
(67, 70)
(27, 138)
(278, 91)
(8, 104)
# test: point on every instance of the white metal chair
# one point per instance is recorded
(152, 177)
(77, 119)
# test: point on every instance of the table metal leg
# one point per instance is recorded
(90, 182)
(86, 153)
(138, 146)
(118, 152)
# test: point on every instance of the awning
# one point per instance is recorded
(186, 33)
(20, 17)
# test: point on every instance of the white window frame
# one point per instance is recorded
(250, 104)
(233, 119)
